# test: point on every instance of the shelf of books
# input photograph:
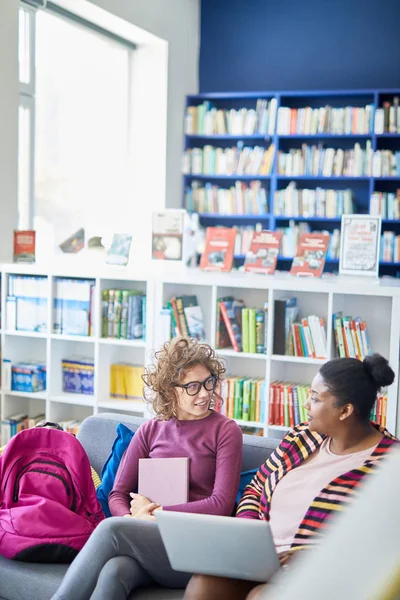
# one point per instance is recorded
(275, 332)
(295, 161)
(71, 346)
(96, 333)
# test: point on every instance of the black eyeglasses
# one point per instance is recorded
(193, 388)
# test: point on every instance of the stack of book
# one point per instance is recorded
(326, 119)
(126, 381)
(390, 247)
(386, 204)
(242, 199)
(239, 160)
(316, 161)
(241, 328)
(26, 303)
(244, 399)
(16, 423)
(185, 317)
(206, 119)
(387, 117)
(123, 314)
(379, 412)
(294, 202)
(292, 337)
(78, 375)
(286, 404)
(28, 377)
(73, 306)
(71, 426)
(291, 236)
(351, 337)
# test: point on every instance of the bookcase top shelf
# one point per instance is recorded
(292, 94)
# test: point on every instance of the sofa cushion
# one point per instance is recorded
(20, 581)
(121, 443)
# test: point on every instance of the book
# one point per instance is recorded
(24, 246)
(74, 243)
(263, 253)
(311, 255)
(219, 249)
(164, 480)
(118, 254)
(167, 234)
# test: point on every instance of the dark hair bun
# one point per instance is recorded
(379, 369)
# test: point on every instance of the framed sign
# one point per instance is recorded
(360, 238)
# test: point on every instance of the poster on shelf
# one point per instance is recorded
(263, 252)
(219, 249)
(311, 255)
(24, 246)
(118, 253)
(167, 234)
(360, 245)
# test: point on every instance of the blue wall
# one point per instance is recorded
(250, 45)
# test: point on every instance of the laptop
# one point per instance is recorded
(221, 546)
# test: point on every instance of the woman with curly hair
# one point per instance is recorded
(126, 553)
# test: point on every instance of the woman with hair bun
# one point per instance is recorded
(317, 470)
(126, 553)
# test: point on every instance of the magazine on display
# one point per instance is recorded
(311, 255)
(263, 253)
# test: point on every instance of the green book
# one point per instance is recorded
(246, 400)
(238, 399)
(252, 331)
(286, 406)
(245, 330)
(253, 400)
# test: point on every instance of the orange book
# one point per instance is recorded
(24, 246)
(219, 248)
(263, 252)
(311, 255)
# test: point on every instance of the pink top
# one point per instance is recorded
(297, 489)
(214, 447)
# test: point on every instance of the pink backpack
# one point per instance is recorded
(48, 503)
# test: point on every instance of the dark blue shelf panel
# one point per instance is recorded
(321, 177)
(309, 219)
(229, 177)
(390, 221)
(226, 136)
(329, 261)
(387, 135)
(219, 217)
(317, 136)
(290, 94)
(392, 178)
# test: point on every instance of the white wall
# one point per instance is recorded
(175, 21)
(178, 23)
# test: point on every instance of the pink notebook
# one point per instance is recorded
(164, 480)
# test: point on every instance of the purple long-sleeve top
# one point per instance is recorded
(214, 447)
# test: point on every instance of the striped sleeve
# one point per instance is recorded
(249, 505)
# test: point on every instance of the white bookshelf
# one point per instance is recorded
(377, 303)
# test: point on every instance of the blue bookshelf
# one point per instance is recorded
(362, 186)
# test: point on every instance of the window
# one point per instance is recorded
(26, 116)
(80, 93)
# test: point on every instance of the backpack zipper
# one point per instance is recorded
(26, 469)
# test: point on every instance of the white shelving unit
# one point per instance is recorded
(377, 303)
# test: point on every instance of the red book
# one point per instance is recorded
(219, 248)
(263, 252)
(311, 255)
(24, 246)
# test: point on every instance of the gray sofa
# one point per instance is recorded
(28, 581)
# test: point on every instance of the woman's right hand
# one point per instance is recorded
(146, 513)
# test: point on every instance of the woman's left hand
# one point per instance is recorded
(138, 502)
(147, 513)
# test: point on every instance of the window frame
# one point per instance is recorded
(27, 101)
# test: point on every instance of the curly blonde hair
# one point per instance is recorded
(174, 360)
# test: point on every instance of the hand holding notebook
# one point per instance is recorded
(164, 480)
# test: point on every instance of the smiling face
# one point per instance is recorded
(190, 407)
(323, 414)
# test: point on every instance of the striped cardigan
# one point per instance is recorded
(295, 448)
